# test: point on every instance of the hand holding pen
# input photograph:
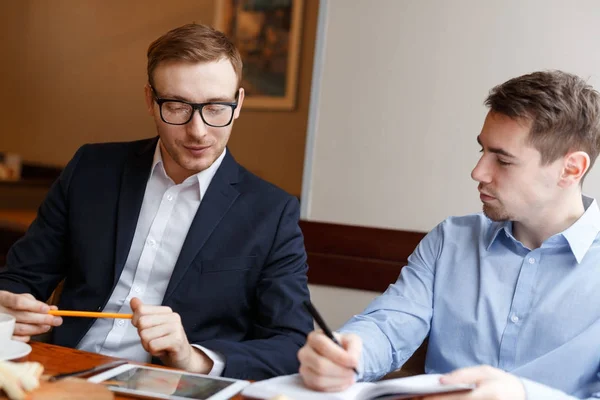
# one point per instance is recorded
(325, 363)
(321, 322)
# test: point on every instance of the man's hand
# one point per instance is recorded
(327, 367)
(492, 384)
(162, 336)
(31, 315)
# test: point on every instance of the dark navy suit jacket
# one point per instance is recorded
(238, 284)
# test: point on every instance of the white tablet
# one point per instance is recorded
(161, 383)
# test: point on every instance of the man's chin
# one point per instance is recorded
(197, 164)
(198, 167)
(495, 214)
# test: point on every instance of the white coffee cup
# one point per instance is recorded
(7, 327)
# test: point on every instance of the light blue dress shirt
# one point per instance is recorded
(485, 298)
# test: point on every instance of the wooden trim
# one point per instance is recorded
(338, 255)
(356, 257)
(40, 172)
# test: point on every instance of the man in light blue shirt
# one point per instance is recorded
(510, 295)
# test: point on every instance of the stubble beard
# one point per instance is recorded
(495, 213)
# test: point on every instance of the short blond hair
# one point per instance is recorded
(193, 43)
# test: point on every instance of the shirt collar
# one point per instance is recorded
(495, 229)
(579, 236)
(203, 178)
(583, 232)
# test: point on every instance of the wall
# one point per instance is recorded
(73, 72)
(399, 98)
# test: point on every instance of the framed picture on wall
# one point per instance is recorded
(267, 33)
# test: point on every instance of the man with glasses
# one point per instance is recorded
(207, 257)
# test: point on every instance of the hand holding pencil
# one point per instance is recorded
(34, 317)
(31, 315)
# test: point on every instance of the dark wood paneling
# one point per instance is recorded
(356, 257)
(9, 234)
(359, 241)
(40, 172)
(338, 255)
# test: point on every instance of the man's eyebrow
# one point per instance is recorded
(174, 97)
(209, 100)
(496, 150)
(220, 99)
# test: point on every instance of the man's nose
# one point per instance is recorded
(481, 172)
(196, 126)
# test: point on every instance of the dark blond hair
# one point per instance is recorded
(564, 112)
(193, 43)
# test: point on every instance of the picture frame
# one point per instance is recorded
(268, 35)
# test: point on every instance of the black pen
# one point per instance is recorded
(315, 314)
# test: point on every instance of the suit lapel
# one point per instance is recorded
(133, 187)
(218, 199)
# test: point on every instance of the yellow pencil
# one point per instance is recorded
(88, 314)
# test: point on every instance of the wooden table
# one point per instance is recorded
(57, 359)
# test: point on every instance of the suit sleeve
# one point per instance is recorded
(281, 323)
(36, 263)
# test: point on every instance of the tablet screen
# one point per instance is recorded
(167, 383)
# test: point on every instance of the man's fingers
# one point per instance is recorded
(325, 366)
(491, 383)
(470, 375)
(325, 347)
(353, 345)
(36, 318)
(140, 309)
(24, 339)
(135, 304)
(161, 344)
(322, 383)
(148, 334)
(30, 330)
(145, 321)
(321, 365)
(22, 302)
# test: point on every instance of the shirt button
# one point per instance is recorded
(152, 242)
(120, 322)
(169, 197)
(531, 260)
(137, 289)
(514, 319)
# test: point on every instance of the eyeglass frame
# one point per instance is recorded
(196, 106)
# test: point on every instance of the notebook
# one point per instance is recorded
(401, 388)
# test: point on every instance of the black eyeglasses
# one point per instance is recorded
(177, 112)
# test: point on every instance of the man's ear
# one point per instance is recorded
(240, 101)
(149, 96)
(575, 165)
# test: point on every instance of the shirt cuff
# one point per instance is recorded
(217, 359)
(538, 391)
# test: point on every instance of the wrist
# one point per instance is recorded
(201, 363)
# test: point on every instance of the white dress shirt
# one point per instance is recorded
(165, 218)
